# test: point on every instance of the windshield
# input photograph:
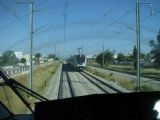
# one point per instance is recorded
(68, 48)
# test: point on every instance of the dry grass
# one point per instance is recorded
(41, 75)
(128, 84)
(123, 68)
(14, 102)
(151, 72)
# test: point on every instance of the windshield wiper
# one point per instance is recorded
(17, 88)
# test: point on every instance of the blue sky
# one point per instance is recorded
(89, 23)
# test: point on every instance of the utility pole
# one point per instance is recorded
(138, 43)
(31, 42)
(79, 51)
(103, 56)
(65, 19)
(86, 50)
(55, 50)
(138, 40)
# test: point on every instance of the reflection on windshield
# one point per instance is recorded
(69, 48)
(4, 113)
(157, 108)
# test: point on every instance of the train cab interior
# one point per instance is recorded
(129, 106)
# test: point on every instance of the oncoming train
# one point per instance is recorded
(77, 61)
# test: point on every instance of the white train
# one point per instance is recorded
(77, 61)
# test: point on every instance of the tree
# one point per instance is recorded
(121, 57)
(37, 56)
(108, 57)
(155, 52)
(8, 58)
(99, 59)
(23, 60)
(147, 58)
(129, 58)
(52, 56)
(135, 57)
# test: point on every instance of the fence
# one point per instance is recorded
(16, 70)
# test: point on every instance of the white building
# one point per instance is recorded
(27, 57)
(19, 55)
(115, 56)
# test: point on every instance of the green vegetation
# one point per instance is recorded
(52, 56)
(23, 60)
(129, 85)
(146, 88)
(135, 57)
(151, 72)
(125, 83)
(122, 68)
(108, 57)
(155, 52)
(128, 62)
(8, 58)
(121, 57)
(37, 58)
(41, 75)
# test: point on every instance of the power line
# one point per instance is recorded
(124, 24)
(110, 10)
(47, 7)
(11, 22)
(147, 17)
(114, 21)
(12, 12)
(106, 14)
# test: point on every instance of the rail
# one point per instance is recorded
(85, 74)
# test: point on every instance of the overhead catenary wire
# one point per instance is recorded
(129, 26)
(2, 27)
(12, 12)
(123, 24)
(110, 10)
(36, 33)
(65, 23)
(113, 22)
(42, 9)
(149, 16)
(106, 14)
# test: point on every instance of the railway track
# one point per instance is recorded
(65, 83)
(86, 81)
(107, 88)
